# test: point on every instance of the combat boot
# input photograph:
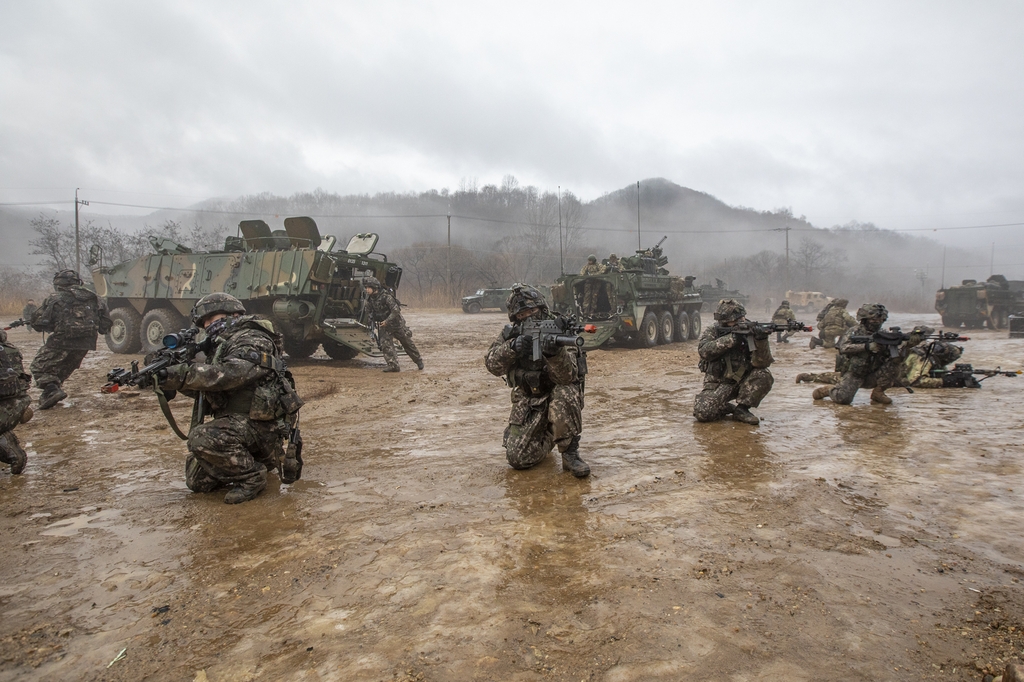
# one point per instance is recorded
(245, 492)
(419, 364)
(803, 378)
(11, 453)
(820, 393)
(571, 460)
(26, 416)
(743, 414)
(52, 394)
(878, 396)
(815, 342)
(392, 369)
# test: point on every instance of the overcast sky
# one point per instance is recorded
(906, 114)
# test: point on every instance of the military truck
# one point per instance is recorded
(640, 304)
(711, 295)
(976, 304)
(312, 292)
(807, 301)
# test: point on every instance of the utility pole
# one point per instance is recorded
(561, 255)
(78, 240)
(992, 261)
(943, 284)
(785, 229)
(639, 246)
(449, 256)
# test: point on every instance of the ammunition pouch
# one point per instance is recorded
(533, 383)
(10, 384)
(761, 356)
(276, 398)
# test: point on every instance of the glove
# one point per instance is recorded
(172, 378)
(548, 348)
(874, 347)
(523, 345)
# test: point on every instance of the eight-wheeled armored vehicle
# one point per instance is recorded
(641, 303)
(312, 292)
(711, 295)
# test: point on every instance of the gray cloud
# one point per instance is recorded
(905, 114)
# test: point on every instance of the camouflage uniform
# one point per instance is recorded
(14, 404)
(783, 315)
(541, 418)
(74, 317)
(729, 371)
(915, 371)
(835, 323)
(613, 264)
(591, 288)
(386, 310)
(245, 439)
(864, 367)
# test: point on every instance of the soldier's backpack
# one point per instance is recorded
(80, 317)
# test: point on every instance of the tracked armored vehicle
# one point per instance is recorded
(312, 292)
(976, 304)
(641, 303)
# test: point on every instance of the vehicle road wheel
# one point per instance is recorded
(339, 351)
(156, 324)
(666, 327)
(123, 336)
(297, 349)
(682, 326)
(695, 325)
(473, 308)
(649, 331)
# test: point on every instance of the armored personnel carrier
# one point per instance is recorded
(641, 303)
(976, 304)
(311, 291)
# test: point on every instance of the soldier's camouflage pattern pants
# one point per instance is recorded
(829, 335)
(591, 290)
(536, 425)
(387, 344)
(711, 403)
(54, 366)
(850, 382)
(233, 450)
(11, 410)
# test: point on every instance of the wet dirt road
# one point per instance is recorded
(854, 543)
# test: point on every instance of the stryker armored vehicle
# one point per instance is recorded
(312, 292)
(711, 295)
(640, 304)
(975, 304)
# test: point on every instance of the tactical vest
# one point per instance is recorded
(80, 317)
(11, 385)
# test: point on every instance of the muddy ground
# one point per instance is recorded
(853, 543)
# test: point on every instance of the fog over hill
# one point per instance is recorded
(506, 232)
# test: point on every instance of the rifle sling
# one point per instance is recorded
(166, 409)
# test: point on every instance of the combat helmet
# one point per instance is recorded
(66, 278)
(592, 258)
(211, 304)
(372, 282)
(524, 296)
(872, 310)
(613, 257)
(944, 353)
(841, 302)
(729, 310)
(785, 303)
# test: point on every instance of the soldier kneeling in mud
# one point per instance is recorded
(547, 394)
(915, 371)
(731, 370)
(868, 365)
(14, 404)
(245, 387)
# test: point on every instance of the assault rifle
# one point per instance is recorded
(178, 348)
(893, 338)
(17, 323)
(962, 376)
(762, 330)
(548, 335)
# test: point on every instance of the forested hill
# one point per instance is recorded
(508, 232)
